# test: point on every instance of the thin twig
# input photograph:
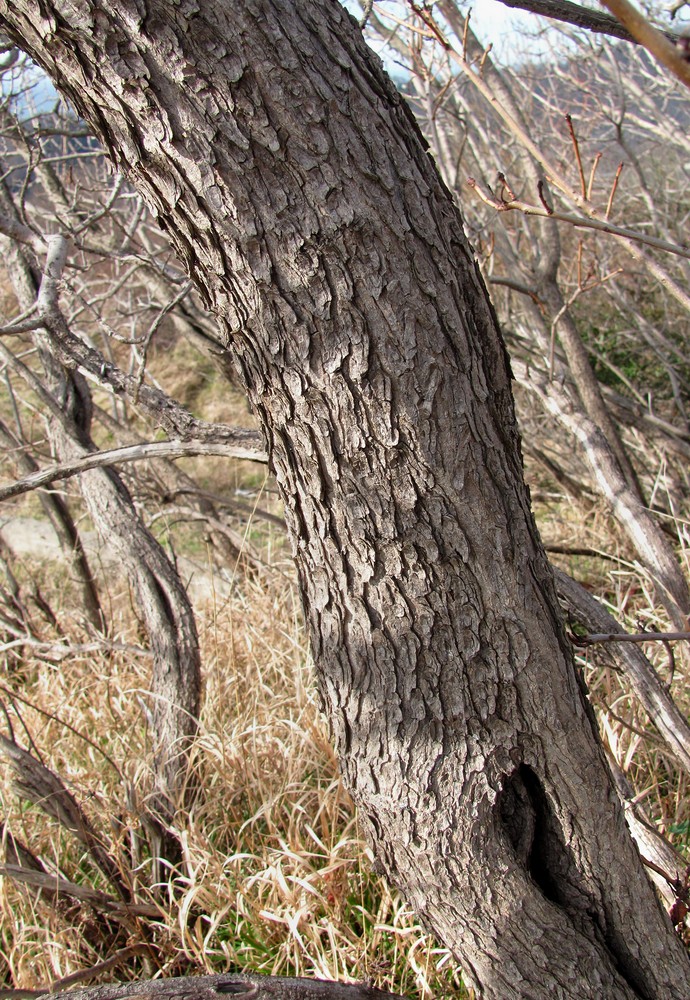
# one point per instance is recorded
(579, 221)
(464, 35)
(660, 871)
(614, 188)
(578, 158)
(124, 955)
(62, 722)
(590, 183)
(542, 198)
(517, 286)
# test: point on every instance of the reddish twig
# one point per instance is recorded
(542, 198)
(614, 188)
(578, 158)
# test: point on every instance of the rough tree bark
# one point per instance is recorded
(296, 188)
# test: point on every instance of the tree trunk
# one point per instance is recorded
(296, 188)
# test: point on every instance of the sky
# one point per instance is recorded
(496, 23)
(493, 21)
(508, 30)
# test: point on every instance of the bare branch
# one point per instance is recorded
(573, 13)
(669, 55)
(39, 784)
(99, 900)
(654, 696)
(579, 221)
(57, 652)
(15, 230)
(594, 637)
(132, 453)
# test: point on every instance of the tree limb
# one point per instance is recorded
(595, 637)
(654, 697)
(663, 49)
(132, 453)
(578, 221)
(573, 13)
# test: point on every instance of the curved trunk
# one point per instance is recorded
(62, 522)
(296, 188)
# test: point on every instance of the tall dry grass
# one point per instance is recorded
(275, 874)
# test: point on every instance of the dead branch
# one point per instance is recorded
(250, 985)
(61, 886)
(133, 453)
(37, 783)
(652, 693)
(573, 13)
(598, 637)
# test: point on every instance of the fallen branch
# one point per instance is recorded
(56, 652)
(84, 893)
(594, 637)
(251, 985)
(34, 781)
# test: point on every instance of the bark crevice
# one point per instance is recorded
(531, 825)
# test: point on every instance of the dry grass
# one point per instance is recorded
(275, 875)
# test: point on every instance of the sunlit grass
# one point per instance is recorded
(275, 874)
